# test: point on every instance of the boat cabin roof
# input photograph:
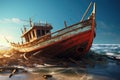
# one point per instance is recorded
(37, 26)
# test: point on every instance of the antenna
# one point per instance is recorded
(30, 20)
(86, 12)
(65, 24)
(39, 23)
(6, 39)
(21, 30)
(25, 28)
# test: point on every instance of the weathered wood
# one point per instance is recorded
(13, 72)
(24, 56)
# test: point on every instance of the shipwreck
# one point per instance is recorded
(71, 41)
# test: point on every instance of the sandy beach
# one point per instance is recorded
(91, 67)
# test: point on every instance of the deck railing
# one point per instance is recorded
(41, 24)
(60, 34)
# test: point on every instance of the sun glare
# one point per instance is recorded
(3, 41)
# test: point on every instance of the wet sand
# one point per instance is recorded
(90, 67)
(38, 76)
(110, 71)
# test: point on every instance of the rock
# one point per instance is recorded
(47, 76)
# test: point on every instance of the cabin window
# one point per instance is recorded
(26, 38)
(38, 33)
(30, 36)
(47, 31)
(43, 32)
(33, 33)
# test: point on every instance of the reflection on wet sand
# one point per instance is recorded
(91, 67)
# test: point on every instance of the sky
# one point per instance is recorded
(16, 13)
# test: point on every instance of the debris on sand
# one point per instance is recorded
(47, 76)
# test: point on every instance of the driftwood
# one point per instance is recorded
(81, 65)
(13, 72)
(24, 56)
(74, 61)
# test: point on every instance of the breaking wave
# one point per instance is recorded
(110, 50)
(106, 48)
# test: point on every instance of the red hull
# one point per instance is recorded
(76, 44)
(71, 46)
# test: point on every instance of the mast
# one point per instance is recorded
(39, 23)
(30, 20)
(25, 28)
(21, 30)
(6, 39)
(65, 24)
(86, 12)
(94, 9)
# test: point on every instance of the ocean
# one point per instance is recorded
(101, 63)
(106, 48)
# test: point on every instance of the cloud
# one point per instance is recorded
(102, 25)
(10, 20)
(109, 34)
(16, 20)
(107, 26)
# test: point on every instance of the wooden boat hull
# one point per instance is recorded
(71, 47)
(74, 42)
(71, 41)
